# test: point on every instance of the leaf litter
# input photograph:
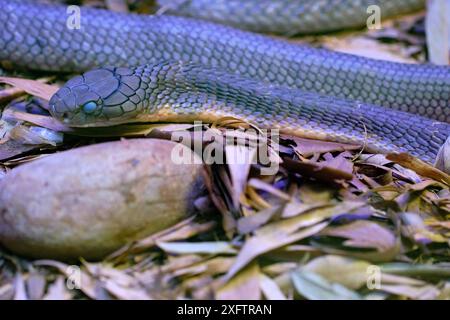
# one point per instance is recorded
(331, 223)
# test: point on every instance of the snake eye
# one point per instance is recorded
(89, 107)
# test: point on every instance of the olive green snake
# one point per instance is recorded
(169, 68)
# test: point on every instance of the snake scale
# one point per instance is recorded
(170, 68)
(290, 17)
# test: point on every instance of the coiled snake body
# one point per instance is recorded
(290, 17)
(216, 81)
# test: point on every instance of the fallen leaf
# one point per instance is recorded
(19, 288)
(182, 230)
(367, 235)
(340, 162)
(35, 285)
(316, 170)
(314, 287)
(58, 290)
(419, 166)
(418, 293)
(255, 221)
(7, 291)
(83, 280)
(117, 282)
(117, 5)
(11, 148)
(10, 94)
(367, 47)
(308, 147)
(239, 159)
(40, 120)
(32, 135)
(348, 272)
(445, 292)
(243, 286)
(261, 185)
(271, 238)
(214, 266)
(216, 247)
(270, 288)
(415, 228)
(36, 88)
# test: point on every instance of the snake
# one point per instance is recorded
(138, 68)
(291, 17)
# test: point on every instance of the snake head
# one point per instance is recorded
(101, 97)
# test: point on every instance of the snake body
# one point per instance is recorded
(291, 17)
(265, 81)
(184, 92)
(37, 36)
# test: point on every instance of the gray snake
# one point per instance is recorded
(215, 70)
(290, 17)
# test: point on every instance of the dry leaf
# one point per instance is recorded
(7, 291)
(261, 185)
(239, 160)
(314, 287)
(243, 286)
(367, 47)
(418, 293)
(270, 288)
(419, 166)
(367, 235)
(216, 247)
(36, 88)
(270, 238)
(183, 230)
(87, 284)
(35, 285)
(43, 121)
(253, 222)
(316, 170)
(58, 290)
(308, 147)
(19, 286)
(117, 5)
(348, 272)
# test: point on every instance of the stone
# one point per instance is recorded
(88, 202)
